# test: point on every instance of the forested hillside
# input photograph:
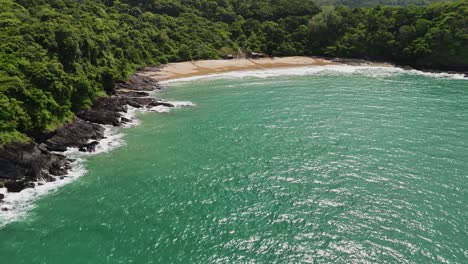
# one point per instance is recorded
(57, 56)
(369, 3)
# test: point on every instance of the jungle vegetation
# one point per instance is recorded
(57, 56)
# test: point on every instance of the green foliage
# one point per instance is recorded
(369, 3)
(57, 56)
(434, 36)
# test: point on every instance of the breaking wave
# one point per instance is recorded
(15, 206)
(366, 70)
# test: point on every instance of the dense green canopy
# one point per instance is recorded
(57, 56)
(368, 3)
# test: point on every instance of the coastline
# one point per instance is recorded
(190, 69)
(179, 70)
(55, 152)
(54, 158)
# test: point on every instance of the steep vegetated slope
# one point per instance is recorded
(57, 56)
(369, 3)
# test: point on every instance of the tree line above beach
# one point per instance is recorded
(57, 56)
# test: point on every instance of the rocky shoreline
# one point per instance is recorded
(25, 165)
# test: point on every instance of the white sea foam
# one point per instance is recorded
(176, 104)
(179, 104)
(113, 138)
(16, 205)
(159, 109)
(367, 70)
(131, 115)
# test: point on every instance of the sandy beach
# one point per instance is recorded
(205, 67)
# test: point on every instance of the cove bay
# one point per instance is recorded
(352, 164)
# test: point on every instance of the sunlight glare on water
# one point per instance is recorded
(355, 166)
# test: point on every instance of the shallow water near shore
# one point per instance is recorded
(333, 166)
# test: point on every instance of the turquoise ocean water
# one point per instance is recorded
(336, 166)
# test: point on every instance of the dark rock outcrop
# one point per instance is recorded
(124, 120)
(132, 93)
(25, 163)
(60, 165)
(76, 134)
(162, 104)
(110, 103)
(90, 147)
(100, 116)
(18, 186)
(106, 110)
(140, 82)
(119, 103)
